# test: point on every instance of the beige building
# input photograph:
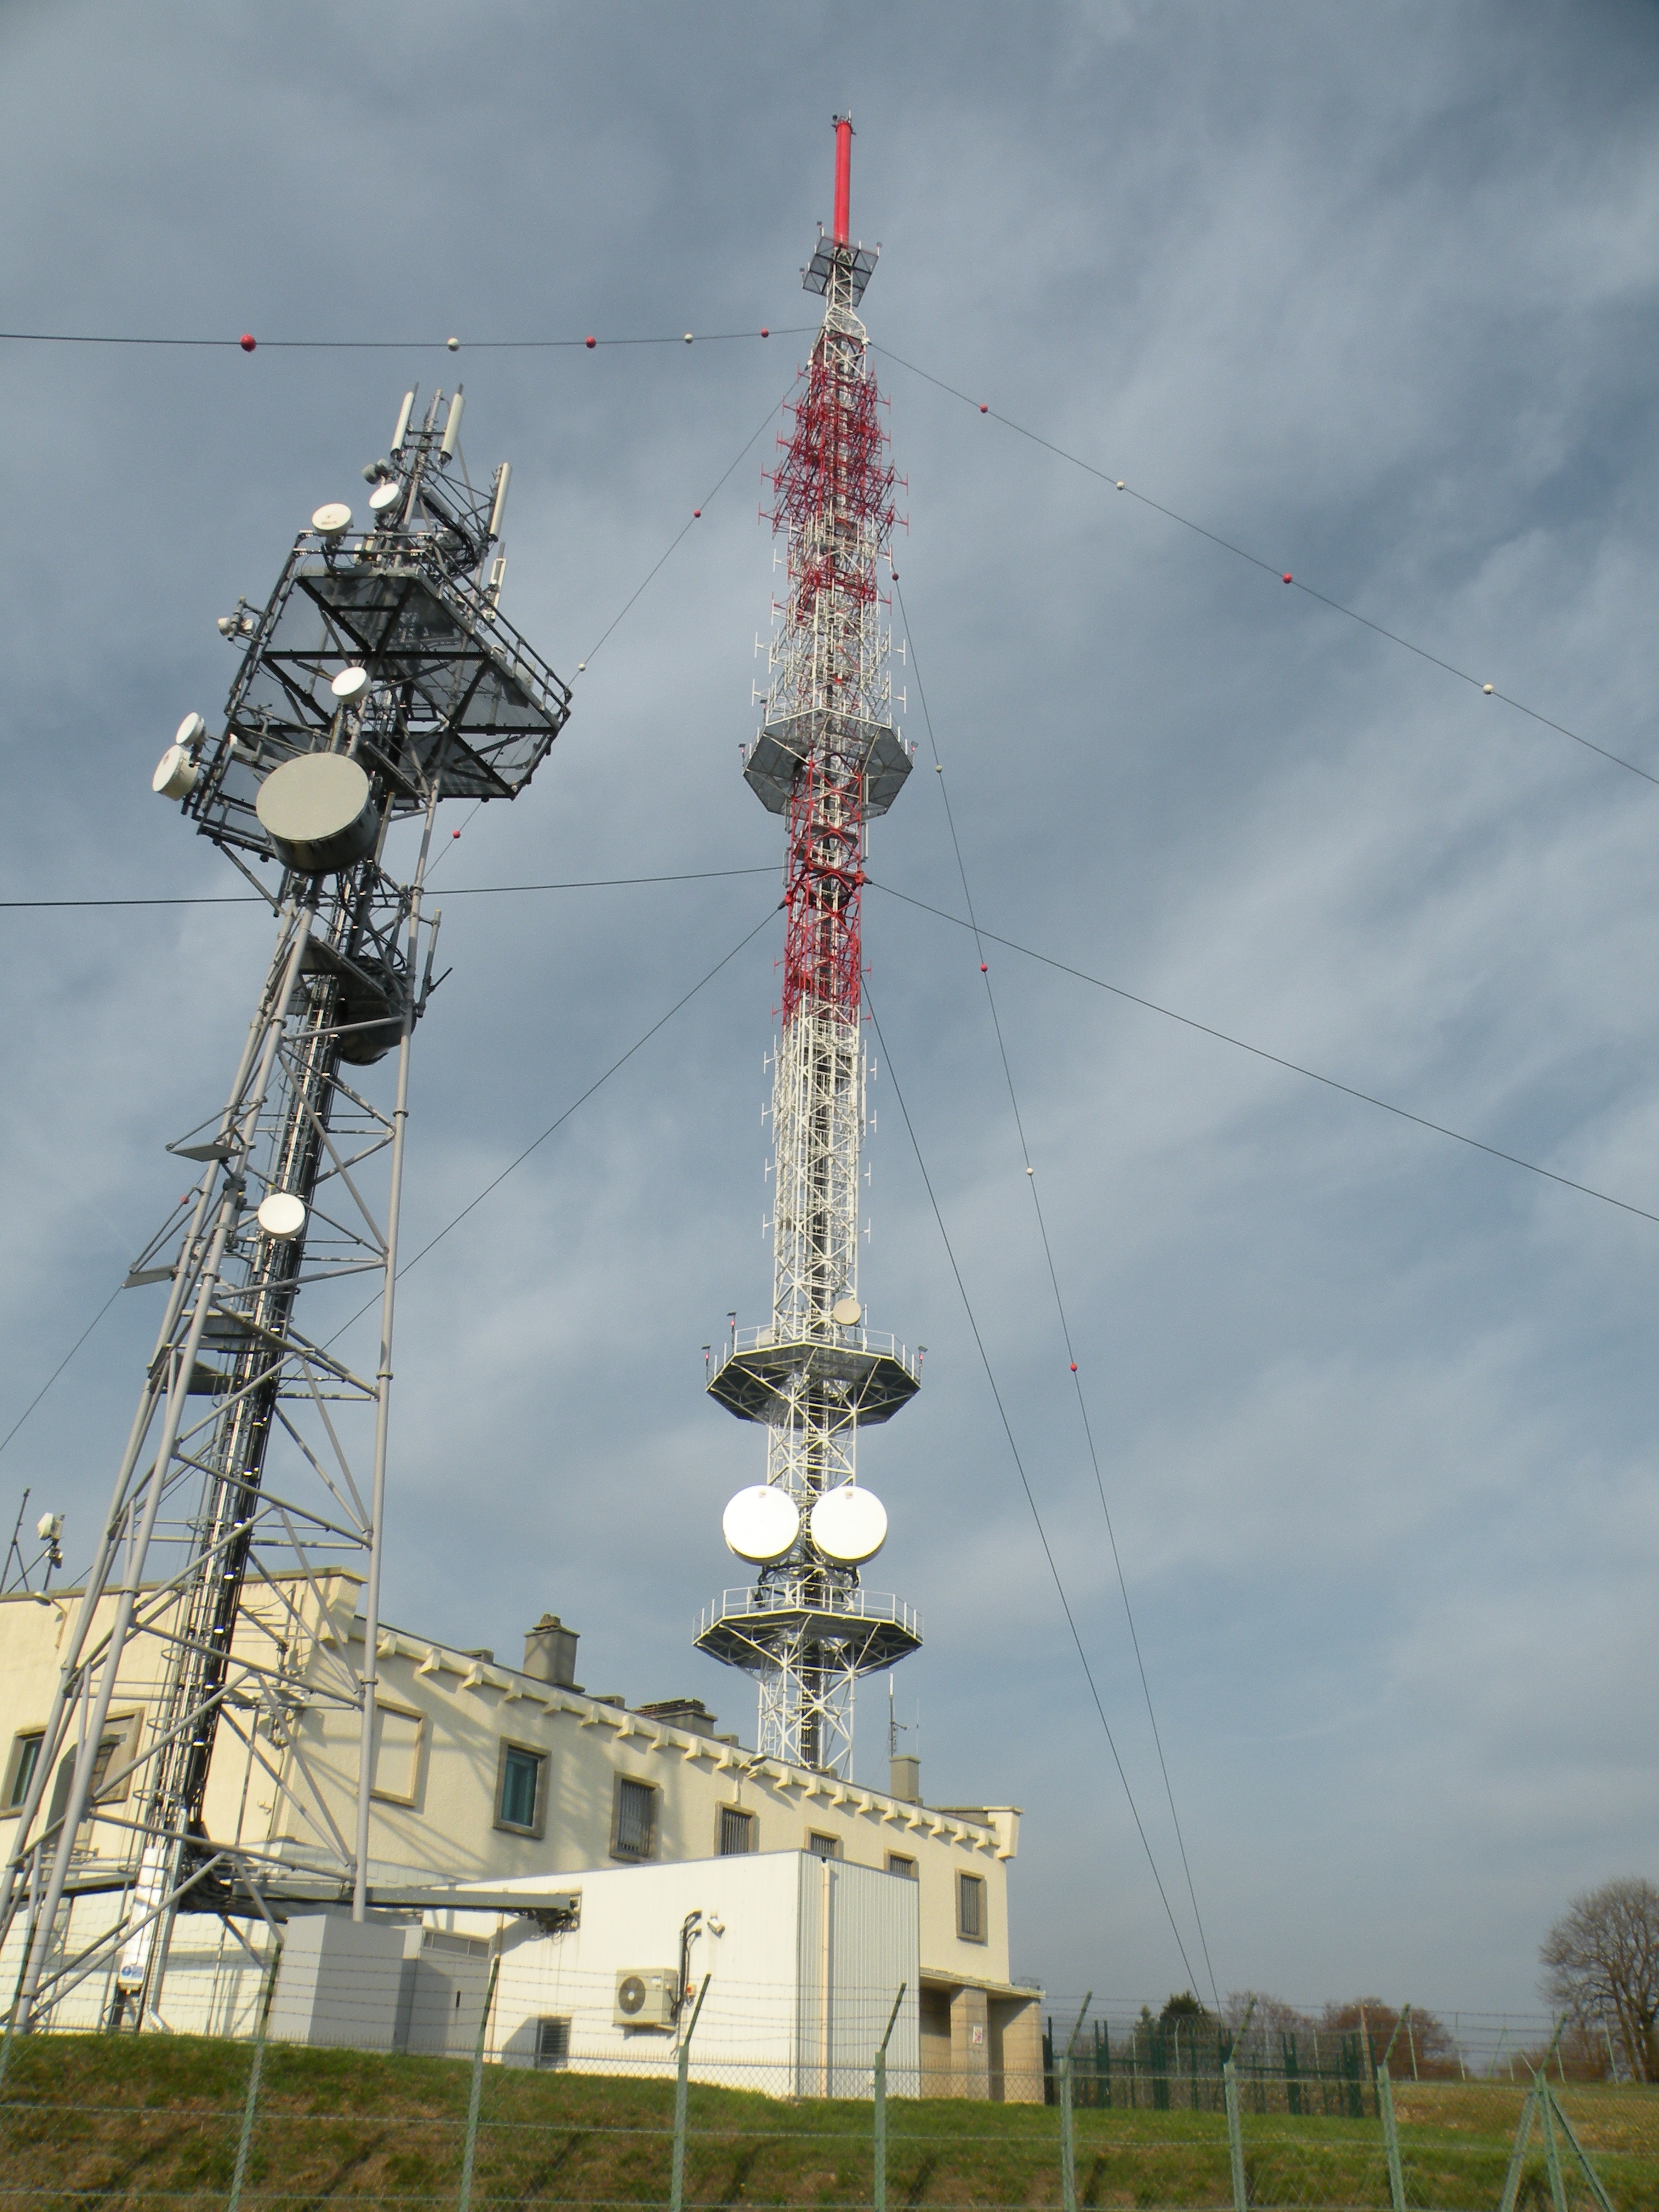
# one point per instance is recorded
(492, 1772)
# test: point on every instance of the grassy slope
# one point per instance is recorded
(146, 2120)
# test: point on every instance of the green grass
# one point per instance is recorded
(153, 2121)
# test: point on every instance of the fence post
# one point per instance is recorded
(1552, 2156)
(476, 2093)
(878, 2173)
(676, 2179)
(1517, 2156)
(256, 2066)
(1390, 2137)
(1063, 2086)
(1235, 2134)
(1589, 2173)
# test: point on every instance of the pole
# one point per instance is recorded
(1517, 2156)
(879, 2178)
(476, 2094)
(1235, 2132)
(1068, 2135)
(1589, 2173)
(250, 2102)
(676, 2178)
(1551, 2155)
(383, 1397)
(1390, 2138)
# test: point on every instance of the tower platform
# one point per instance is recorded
(763, 1371)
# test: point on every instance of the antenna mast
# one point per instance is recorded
(380, 679)
(828, 759)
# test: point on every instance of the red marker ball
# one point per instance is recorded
(766, 333)
(590, 343)
(983, 969)
(696, 514)
(984, 409)
(1074, 1367)
(454, 833)
(248, 340)
(1287, 575)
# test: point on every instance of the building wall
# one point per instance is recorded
(449, 1717)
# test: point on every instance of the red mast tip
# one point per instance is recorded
(843, 177)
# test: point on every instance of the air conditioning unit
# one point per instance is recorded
(647, 1996)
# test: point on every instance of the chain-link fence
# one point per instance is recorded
(192, 2122)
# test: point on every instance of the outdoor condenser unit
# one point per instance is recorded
(647, 1996)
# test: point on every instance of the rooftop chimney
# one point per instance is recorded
(550, 1653)
(904, 1779)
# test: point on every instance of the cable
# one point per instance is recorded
(61, 1366)
(459, 891)
(1268, 568)
(696, 516)
(1059, 1302)
(1259, 1052)
(400, 345)
(1031, 1498)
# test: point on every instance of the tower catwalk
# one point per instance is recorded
(828, 759)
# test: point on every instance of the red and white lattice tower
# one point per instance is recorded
(828, 759)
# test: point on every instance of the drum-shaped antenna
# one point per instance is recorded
(760, 1523)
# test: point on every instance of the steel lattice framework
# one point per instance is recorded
(258, 1454)
(828, 759)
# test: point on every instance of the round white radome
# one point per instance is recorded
(281, 1216)
(175, 773)
(849, 1525)
(350, 685)
(760, 1523)
(332, 520)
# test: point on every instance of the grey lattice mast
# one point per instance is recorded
(380, 679)
(829, 758)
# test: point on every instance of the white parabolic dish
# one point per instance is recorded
(760, 1523)
(849, 1525)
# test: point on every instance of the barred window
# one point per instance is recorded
(897, 1864)
(636, 1818)
(824, 1847)
(971, 1907)
(553, 2042)
(737, 1831)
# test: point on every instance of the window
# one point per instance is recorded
(971, 1907)
(518, 1795)
(636, 1836)
(109, 1754)
(25, 1758)
(399, 1736)
(822, 1846)
(737, 1831)
(553, 2042)
(896, 1863)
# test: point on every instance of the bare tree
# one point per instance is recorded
(1601, 1964)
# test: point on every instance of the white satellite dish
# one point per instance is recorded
(849, 1525)
(350, 685)
(385, 496)
(175, 773)
(846, 1313)
(190, 732)
(281, 1216)
(760, 1523)
(332, 520)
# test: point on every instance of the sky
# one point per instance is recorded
(1372, 295)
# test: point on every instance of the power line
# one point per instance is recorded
(61, 1366)
(1059, 1302)
(1269, 567)
(1277, 1060)
(1025, 1483)
(466, 891)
